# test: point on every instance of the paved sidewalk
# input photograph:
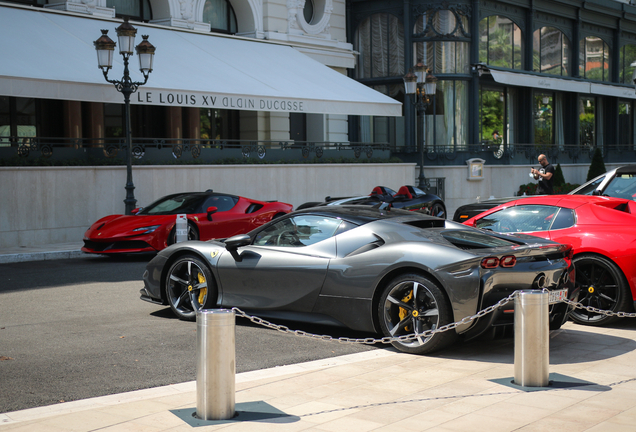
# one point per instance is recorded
(468, 387)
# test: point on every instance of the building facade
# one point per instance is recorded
(514, 78)
(244, 70)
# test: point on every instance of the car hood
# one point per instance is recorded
(124, 224)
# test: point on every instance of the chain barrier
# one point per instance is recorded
(425, 334)
(599, 311)
(384, 340)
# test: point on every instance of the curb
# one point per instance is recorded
(39, 256)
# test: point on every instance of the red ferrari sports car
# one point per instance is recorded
(210, 215)
(602, 232)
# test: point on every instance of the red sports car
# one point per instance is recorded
(210, 215)
(602, 232)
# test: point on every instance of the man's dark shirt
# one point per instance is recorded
(545, 186)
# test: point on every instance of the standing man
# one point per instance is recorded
(544, 175)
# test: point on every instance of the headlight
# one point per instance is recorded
(148, 229)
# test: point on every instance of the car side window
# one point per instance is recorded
(221, 202)
(298, 231)
(528, 218)
(564, 219)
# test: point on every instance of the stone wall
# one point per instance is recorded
(44, 205)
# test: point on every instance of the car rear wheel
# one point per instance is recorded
(438, 210)
(602, 286)
(414, 304)
(190, 287)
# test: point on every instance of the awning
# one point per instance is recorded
(561, 84)
(536, 81)
(50, 55)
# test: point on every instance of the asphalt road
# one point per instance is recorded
(75, 329)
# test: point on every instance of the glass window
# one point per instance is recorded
(136, 9)
(447, 117)
(221, 202)
(308, 11)
(17, 118)
(544, 118)
(220, 15)
(594, 59)
(442, 57)
(627, 64)
(219, 124)
(298, 231)
(500, 42)
(587, 121)
(380, 41)
(523, 218)
(625, 122)
(551, 51)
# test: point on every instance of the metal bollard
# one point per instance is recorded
(181, 228)
(216, 366)
(532, 349)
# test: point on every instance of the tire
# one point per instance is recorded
(438, 210)
(602, 286)
(413, 301)
(193, 234)
(189, 287)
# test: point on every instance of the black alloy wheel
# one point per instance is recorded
(414, 304)
(190, 287)
(602, 286)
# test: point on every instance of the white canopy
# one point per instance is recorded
(50, 55)
(562, 84)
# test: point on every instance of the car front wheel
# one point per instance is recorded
(603, 287)
(190, 287)
(414, 304)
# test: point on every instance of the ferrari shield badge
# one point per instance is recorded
(214, 253)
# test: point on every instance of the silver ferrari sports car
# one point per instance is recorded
(392, 272)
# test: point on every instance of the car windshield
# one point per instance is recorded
(174, 204)
(298, 231)
(622, 186)
(528, 218)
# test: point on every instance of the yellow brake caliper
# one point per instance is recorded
(403, 313)
(202, 291)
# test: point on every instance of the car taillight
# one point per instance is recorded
(490, 262)
(508, 261)
(494, 262)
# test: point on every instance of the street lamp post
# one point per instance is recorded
(420, 84)
(145, 51)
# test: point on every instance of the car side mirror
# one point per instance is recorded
(135, 211)
(211, 211)
(235, 242)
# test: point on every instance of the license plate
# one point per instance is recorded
(558, 295)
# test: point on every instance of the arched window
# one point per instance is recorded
(441, 40)
(594, 59)
(627, 64)
(443, 56)
(137, 10)
(500, 42)
(220, 15)
(380, 41)
(551, 51)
